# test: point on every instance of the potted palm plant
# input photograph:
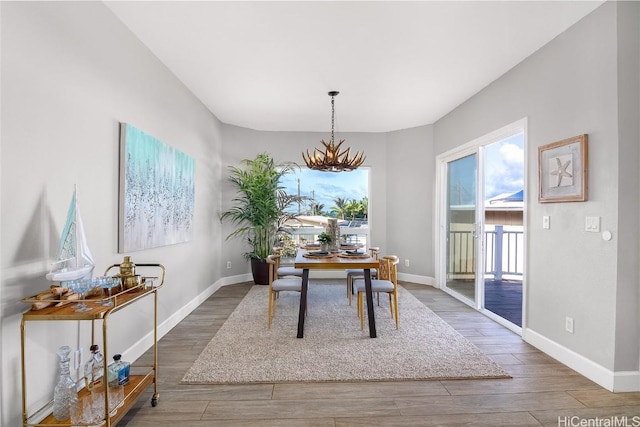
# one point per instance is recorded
(256, 211)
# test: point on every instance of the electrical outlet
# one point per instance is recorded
(568, 324)
(546, 222)
(406, 263)
(228, 264)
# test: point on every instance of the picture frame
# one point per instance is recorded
(563, 170)
(157, 192)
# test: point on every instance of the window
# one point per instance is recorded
(342, 195)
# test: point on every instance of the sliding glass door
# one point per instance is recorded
(462, 225)
(480, 219)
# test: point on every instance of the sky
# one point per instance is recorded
(503, 171)
(504, 166)
(324, 187)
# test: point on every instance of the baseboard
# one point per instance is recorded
(624, 381)
(414, 278)
(613, 381)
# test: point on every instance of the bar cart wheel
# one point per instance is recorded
(154, 400)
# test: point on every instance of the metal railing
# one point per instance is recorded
(504, 253)
(358, 234)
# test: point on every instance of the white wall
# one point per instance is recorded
(401, 192)
(569, 87)
(70, 73)
(410, 202)
(628, 295)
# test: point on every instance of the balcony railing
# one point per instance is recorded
(356, 233)
(504, 253)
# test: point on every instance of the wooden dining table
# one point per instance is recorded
(337, 261)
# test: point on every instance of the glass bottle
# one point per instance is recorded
(65, 394)
(118, 371)
(94, 368)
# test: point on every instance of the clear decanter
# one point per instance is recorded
(65, 394)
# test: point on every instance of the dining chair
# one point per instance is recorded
(277, 285)
(387, 282)
(286, 270)
(353, 274)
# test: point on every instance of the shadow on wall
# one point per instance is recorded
(25, 274)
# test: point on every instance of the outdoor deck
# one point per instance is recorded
(502, 297)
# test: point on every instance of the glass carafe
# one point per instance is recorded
(65, 394)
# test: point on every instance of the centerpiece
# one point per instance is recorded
(325, 240)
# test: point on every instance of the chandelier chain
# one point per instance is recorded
(333, 115)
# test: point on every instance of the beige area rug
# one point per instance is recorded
(334, 348)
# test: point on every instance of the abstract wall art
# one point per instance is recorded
(157, 192)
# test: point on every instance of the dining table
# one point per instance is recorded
(309, 259)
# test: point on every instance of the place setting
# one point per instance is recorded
(345, 251)
(353, 254)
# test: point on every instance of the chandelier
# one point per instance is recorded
(331, 159)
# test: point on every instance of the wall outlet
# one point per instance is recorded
(406, 263)
(546, 222)
(568, 324)
(228, 264)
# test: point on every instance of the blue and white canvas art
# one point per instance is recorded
(157, 191)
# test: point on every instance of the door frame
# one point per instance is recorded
(476, 146)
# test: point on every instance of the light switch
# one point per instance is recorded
(592, 224)
(546, 222)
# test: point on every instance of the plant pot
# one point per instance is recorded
(260, 271)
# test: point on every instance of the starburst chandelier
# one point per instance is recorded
(331, 159)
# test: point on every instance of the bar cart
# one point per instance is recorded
(132, 289)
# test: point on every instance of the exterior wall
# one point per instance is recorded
(70, 73)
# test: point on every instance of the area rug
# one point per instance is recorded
(334, 348)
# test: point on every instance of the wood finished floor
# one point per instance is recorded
(541, 390)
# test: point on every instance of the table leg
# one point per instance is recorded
(303, 302)
(370, 314)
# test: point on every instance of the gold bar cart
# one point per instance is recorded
(144, 376)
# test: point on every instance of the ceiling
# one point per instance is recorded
(269, 65)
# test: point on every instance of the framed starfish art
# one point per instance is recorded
(562, 170)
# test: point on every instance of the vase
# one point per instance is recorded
(65, 394)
